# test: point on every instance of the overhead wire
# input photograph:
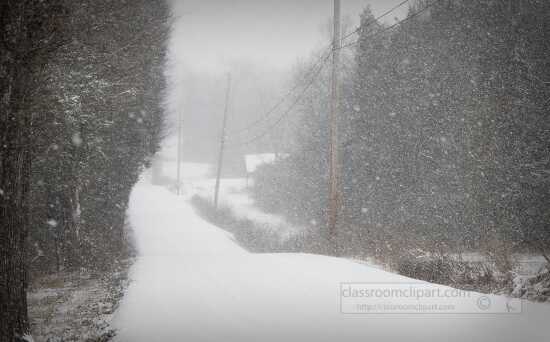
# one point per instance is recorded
(283, 99)
(321, 58)
(375, 21)
(415, 14)
(322, 61)
(287, 111)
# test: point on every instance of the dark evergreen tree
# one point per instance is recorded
(446, 144)
(102, 124)
(80, 117)
(29, 34)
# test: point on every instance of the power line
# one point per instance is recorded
(321, 58)
(394, 25)
(375, 21)
(283, 99)
(289, 109)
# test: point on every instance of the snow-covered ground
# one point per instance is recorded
(75, 306)
(234, 195)
(198, 179)
(192, 282)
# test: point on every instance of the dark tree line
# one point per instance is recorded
(80, 117)
(30, 31)
(446, 143)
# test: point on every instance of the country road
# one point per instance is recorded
(193, 282)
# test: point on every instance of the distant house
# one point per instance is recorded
(253, 161)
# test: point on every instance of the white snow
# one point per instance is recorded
(233, 195)
(77, 139)
(27, 338)
(192, 282)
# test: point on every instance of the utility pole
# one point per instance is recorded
(180, 138)
(222, 142)
(334, 196)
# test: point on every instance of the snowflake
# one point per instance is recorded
(77, 139)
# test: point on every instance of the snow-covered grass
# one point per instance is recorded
(235, 196)
(75, 306)
(197, 179)
(254, 237)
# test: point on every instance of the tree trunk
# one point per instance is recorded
(13, 282)
(14, 177)
(26, 29)
(14, 185)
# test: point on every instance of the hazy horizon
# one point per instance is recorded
(259, 42)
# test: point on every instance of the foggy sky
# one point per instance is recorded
(259, 42)
(212, 34)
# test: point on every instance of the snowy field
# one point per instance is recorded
(234, 195)
(198, 179)
(192, 282)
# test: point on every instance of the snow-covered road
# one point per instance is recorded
(192, 282)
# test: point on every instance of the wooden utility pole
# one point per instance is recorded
(222, 141)
(180, 138)
(334, 196)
